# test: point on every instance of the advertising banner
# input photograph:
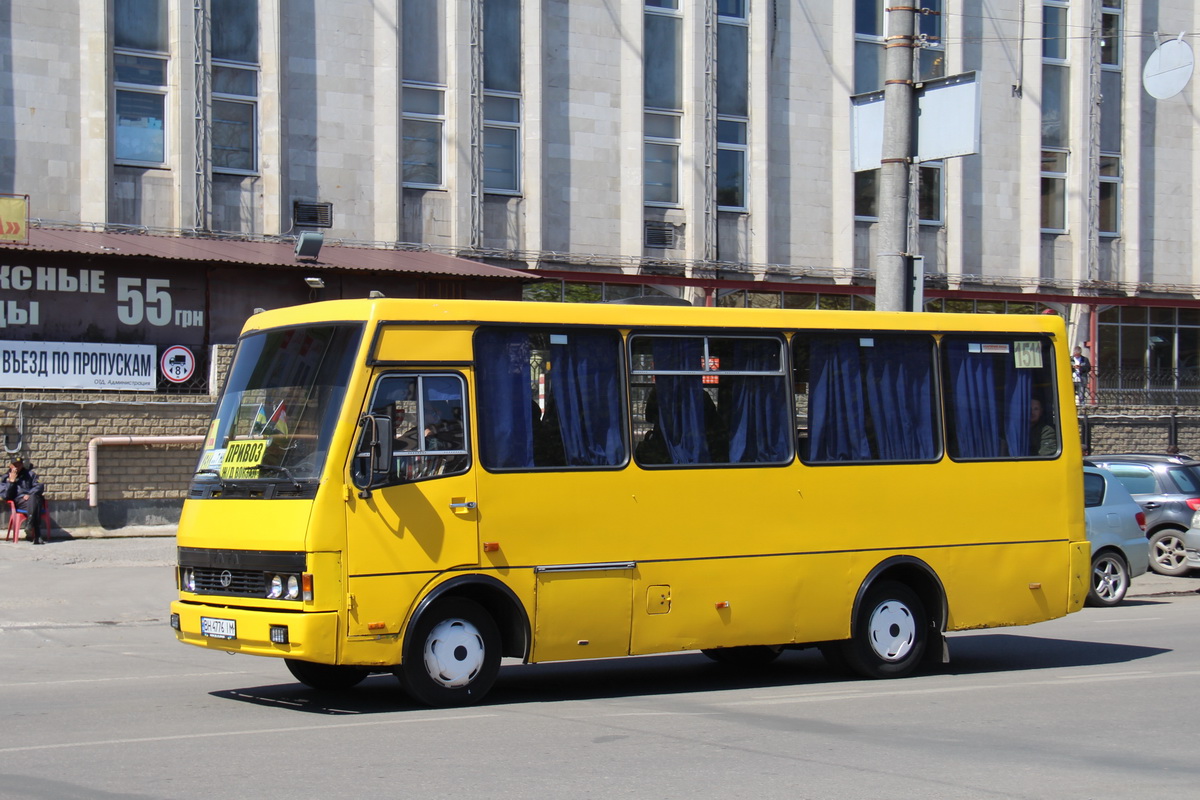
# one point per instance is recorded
(78, 365)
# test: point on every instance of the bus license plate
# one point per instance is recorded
(215, 628)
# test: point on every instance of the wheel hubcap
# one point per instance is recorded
(454, 653)
(892, 630)
(1169, 552)
(1108, 580)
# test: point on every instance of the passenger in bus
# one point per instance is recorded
(1042, 439)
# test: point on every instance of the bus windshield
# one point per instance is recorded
(280, 405)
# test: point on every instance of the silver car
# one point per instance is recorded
(1116, 528)
(1191, 543)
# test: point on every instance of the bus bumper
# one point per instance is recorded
(308, 636)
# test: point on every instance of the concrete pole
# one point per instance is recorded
(892, 259)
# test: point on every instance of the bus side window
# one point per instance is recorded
(1000, 397)
(870, 397)
(429, 435)
(549, 398)
(710, 400)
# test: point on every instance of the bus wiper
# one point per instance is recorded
(207, 471)
(286, 473)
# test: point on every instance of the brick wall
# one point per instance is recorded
(138, 483)
(1140, 429)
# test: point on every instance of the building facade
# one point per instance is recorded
(696, 148)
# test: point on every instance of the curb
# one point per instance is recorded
(130, 532)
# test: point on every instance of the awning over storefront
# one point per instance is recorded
(281, 254)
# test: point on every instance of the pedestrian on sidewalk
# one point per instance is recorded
(22, 487)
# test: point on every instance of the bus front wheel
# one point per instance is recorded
(325, 677)
(890, 632)
(452, 656)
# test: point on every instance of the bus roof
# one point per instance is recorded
(384, 310)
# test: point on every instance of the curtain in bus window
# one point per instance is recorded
(759, 424)
(586, 391)
(836, 413)
(898, 377)
(681, 400)
(506, 397)
(990, 403)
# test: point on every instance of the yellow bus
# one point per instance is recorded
(425, 487)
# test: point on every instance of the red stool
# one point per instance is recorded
(16, 518)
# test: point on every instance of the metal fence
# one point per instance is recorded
(1146, 388)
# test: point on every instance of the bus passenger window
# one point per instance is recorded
(549, 398)
(1000, 397)
(868, 397)
(708, 400)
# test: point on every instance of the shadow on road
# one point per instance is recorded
(976, 654)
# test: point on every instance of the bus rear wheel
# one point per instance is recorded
(326, 677)
(452, 655)
(890, 632)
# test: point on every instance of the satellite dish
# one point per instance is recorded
(1168, 69)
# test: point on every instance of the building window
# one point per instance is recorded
(662, 92)
(661, 169)
(932, 57)
(1110, 33)
(502, 98)
(868, 45)
(1055, 116)
(1054, 191)
(866, 194)
(929, 193)
(140, 81)
(1111, 100)
(868, 77)
(731, 164)
(501, 143)
(1110, 195)
(733, 66)
(424, 119)
(234, 50)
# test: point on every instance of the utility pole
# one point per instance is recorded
(894, 260)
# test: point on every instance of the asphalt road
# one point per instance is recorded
(97, 700)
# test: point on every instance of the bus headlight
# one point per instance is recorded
(187, 579)
(276, 589)
(293, 587)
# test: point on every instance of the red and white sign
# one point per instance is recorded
(177, 363)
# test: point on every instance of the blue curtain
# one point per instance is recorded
(681, 400)
(760, 424)
(898, 379)
(973, 406)
(836, 413)
(506, 397)
(989, 403)
(586, 389)
(1018, 392)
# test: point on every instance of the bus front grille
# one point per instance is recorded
(230, 581)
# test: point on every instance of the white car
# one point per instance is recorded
(1116, 528)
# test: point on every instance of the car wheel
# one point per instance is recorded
(1110, 580)
(452, 656)
(890, 632)
(326, 677)
(747, 656)
(1167, 554)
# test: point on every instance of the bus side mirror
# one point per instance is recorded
(374, 458)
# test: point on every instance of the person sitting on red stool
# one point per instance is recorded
(22, 486)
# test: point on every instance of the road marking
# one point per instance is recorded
(974, 687)
(27, 684)
(218, 734)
